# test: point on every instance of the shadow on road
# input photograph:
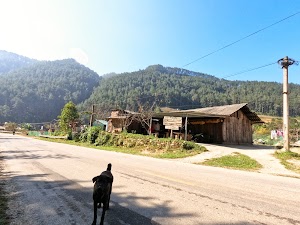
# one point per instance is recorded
(31, 154)
(76, 199)
(77, 203)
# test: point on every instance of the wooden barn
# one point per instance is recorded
(230, 124)
(123, 119)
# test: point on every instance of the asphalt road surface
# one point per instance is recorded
(51, 183)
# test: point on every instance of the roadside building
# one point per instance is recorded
(230, 124)
(120, 120)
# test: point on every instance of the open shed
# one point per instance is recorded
(230, 124)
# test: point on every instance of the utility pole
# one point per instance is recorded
(285, 63)
(92, 115)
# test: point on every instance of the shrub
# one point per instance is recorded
(187, 145)
(69, 136)
(130, 143)
(83, 137)
(76, 136)
(103, 138)
(113, 141)
(93, 133)
(57, 133)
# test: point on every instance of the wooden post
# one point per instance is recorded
(150, 126)
(92, 115)
(185, 125)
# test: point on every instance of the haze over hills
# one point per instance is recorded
(36, 91)
(11, 61)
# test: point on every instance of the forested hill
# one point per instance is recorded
(11, 61)
(183, 89)
(38, 92)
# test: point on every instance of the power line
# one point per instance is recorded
(243, 38)
(248, 70)
(241, 72)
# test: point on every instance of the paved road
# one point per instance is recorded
(51, 184)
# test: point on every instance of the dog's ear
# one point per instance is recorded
(94, 179)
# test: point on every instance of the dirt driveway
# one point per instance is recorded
(263, 154)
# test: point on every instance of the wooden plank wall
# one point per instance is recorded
(237, 129)
(114, 125)
(213, 128)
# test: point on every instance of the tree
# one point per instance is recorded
(128, 118)
(145, 114)
(10, 126)
(69, 118)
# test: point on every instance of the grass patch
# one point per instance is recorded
(144, 151)
(234, 161)
(286, 159)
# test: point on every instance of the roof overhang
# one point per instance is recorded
(213, 112)
(189, 114)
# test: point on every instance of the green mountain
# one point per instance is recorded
(38, 92)
(183, 89)
(11, 61)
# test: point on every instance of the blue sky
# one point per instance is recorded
(128, 35)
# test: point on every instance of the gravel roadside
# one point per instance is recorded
(262, 154)
(15, 214)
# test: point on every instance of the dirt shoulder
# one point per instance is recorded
(4, 218)
(262, 154)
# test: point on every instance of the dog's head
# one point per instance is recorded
(102, 187)
(101, 182)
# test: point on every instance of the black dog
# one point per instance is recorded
(102, 191)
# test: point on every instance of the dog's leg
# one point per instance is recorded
(95, 213)
(103, 214)
(109, 197)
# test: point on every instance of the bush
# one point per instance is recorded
(187, 145)
(113, 141)
(103, 138)
(93, 133)
(99, 137)
(76, 136)
(69, 136)
(83, 137)
(57, 133)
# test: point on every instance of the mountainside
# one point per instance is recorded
(38, 92)
(11, 61)
(183, 89)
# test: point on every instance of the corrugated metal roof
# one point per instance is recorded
(184, 113)
(216, 111)
(104, 122)
(224, 110)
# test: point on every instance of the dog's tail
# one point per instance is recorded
(109, 167)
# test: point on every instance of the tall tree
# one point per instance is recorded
(69, 117)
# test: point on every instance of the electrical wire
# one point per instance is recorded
(241, 39)
(248, 70)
